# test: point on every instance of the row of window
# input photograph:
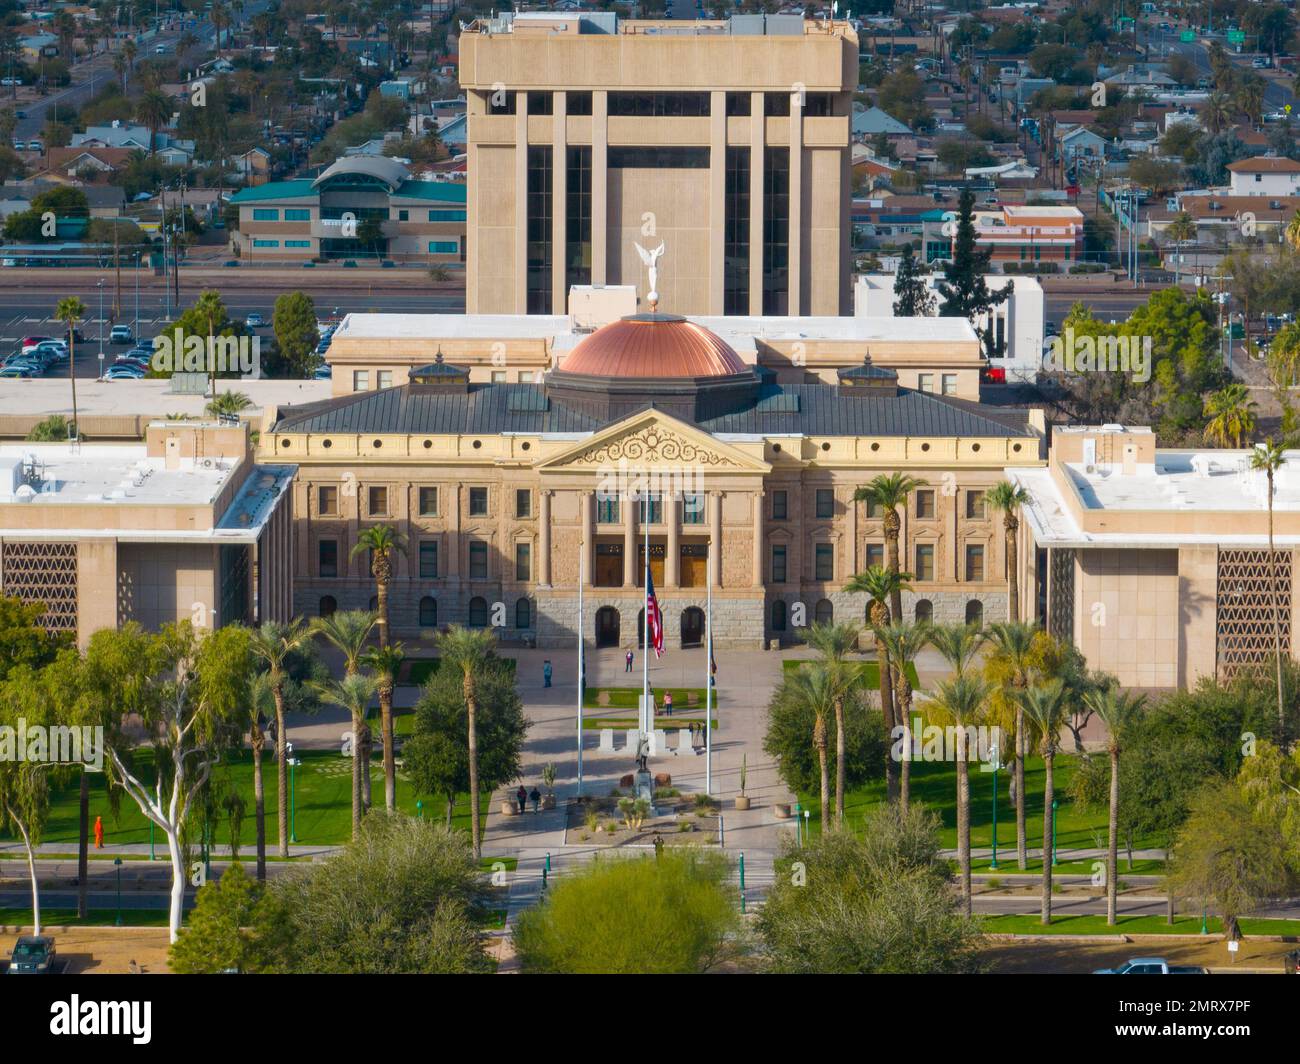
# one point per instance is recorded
(327, 501)
(664, 104)
(327, 560)
(923, 505)
(427, 611)
(302, 214)
(824, 613)
(275, 243)
(922, 569)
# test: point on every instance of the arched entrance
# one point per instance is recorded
(692, 626)
(607, 627)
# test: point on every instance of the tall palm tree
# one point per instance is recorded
(880, 585)
(1116, 710)
(153, 108)
(210, 308)
(1231, 414)
(347, 631)
(960, 702)
(469, 650)
(71, 310)
(818, 686)
(384, 663)
(1007, 498)
(1045, 705)
(1216, 114)
(889, 491)
(1180, 231)
(382, 541)
(1013, 647)
(1249, 98)
(261, 704)
(834, 642)
(902, 642)
(273, 644)
(352, 693)
(958, 644)
(1269, 457)
(120, 64)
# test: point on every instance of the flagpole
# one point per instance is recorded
(647, 714)
(582, 572)
(708, 683)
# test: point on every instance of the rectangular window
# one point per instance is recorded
(384, 378)
(523, 502)
(778, 565)
(428, 559)
(498, 376)
(780, 506)
(974, 562)
(524, 376)
(925, 382)
(378, 499)
(825, 502)
(659, 104)
(297, 214)
(738, 104)
(669, 158)
(523, 561)
(693, 509)
(360, 380)
(924, 568)
(327, 558)
(327, 502)
(444, 247)
(875, 554)
(651, 510)
(538, 249)
(975, 508)
(577, 103)
(428, 502)
(607, 509)
(577, 216)
(478, 561)
(440, 214)
(266, 214)
(925, 504)
(540, 103)
(824, 567)
(499, 103)
(736, 237)
(948, 384)
(874, 510)
(478, 502)
(403, 215)
(776, 227)
(297, 243)
(266, 243)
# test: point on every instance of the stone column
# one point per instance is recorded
(673, 551)
(544, 538)
(589, 535)
(629, 503)
(715, 538)
(852, 508)
(758, 539)
(453, 535)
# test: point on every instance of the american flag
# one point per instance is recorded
(655, 617)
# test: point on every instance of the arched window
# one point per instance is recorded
(975, 612)
(478, 614)
(428, 612)
(523, 614)
(924, 610)
(778, 615)
(328, 604)
(824, 613)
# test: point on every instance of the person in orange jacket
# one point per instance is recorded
(99, 832)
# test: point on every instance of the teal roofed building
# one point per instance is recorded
(329, 216)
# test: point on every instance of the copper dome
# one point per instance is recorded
(653, 345)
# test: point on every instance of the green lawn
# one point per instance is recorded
(1031, 924)
(1007, 863)
(323, 800)
(94, 917)
(870, 671)
(418, 670)
(934, 783)
(630, 698)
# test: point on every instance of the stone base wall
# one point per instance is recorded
(737, 623)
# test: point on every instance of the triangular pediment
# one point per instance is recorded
(651, 439)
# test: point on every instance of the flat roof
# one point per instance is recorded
(144, 398)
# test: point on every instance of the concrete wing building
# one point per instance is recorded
(728, 142)
(183, 526)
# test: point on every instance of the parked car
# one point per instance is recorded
(1152, 966)
(31, 341)
(17, 372)
(230, 263)
(124, 373)
(32, 955)
(255, 320)
(74, 336)
(308, 265)
(120, 334)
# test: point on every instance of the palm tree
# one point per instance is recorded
(1216, 114)
(273, 644)
(1013, 647)
(960, 702)
(834, 642)
(1116, 710)
(958, 644)
(889, 492)
(381, 541)
(1249, 98)
(469, 649)
(1181, 230)
(1270, 457)
(210, 308)
(153, 109)
(261, 703)
(227, 404)
(385, 662)
(1008, 498)
(1231, 414)
(1045, 706)
(902, 642)
(818, 686)
(120, 64)
(880, 585)
(348, 631)
(71, 310)
(352, 693)
(129, 50)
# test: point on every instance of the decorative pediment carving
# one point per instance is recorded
(654, 440)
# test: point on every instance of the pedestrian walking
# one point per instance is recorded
(627, 662)
(668, 703)
(659, 845)
(99, 832)
(535, 796)
(521, 796)
(546, 673)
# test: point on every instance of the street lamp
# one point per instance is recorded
(807, 827)
(798, 831)
(118, 862)
(293, 805)
(419, 808)
(993, 864)
(100, 286)
(1054, 805)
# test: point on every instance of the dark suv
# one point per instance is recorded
(32, 955)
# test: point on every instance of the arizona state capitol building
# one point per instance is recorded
(511, 452)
